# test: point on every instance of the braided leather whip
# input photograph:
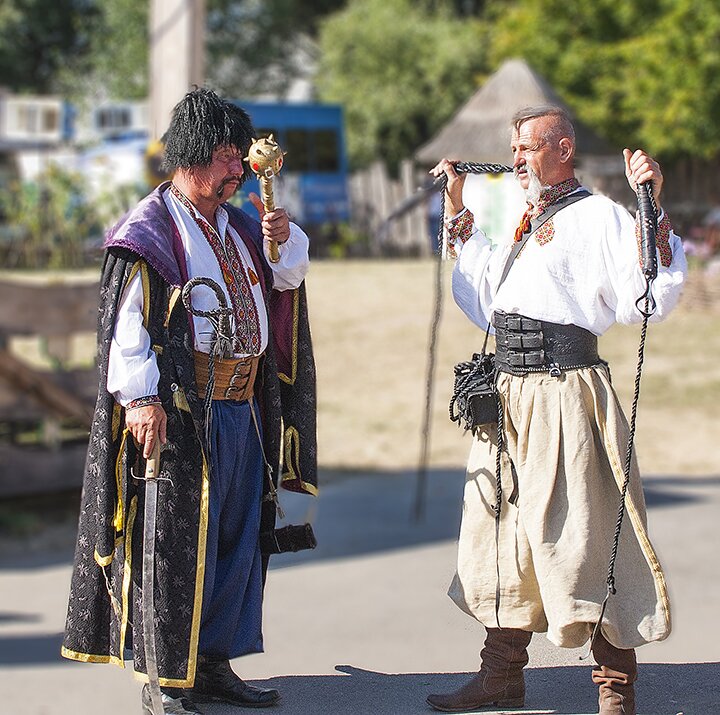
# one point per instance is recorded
(647, 218)
(461, 167)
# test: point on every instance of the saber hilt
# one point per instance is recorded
(221, 345)
(219, 317)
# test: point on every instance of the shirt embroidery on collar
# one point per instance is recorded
(246, 338)
(548, 196)
(554, 193)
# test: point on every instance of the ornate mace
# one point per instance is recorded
(266, 159)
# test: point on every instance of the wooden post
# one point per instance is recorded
(177, 56)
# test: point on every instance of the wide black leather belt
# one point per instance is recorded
(524, 345)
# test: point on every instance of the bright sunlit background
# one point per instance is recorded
(365, 96)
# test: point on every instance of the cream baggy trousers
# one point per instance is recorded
(567, 439)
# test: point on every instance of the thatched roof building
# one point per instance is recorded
(480, 130)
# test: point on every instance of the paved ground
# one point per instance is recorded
(362, 626)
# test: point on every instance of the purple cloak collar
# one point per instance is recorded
(149, 231)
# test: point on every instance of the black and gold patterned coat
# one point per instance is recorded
(104, 618)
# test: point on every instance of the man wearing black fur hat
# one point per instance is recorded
(158, 358)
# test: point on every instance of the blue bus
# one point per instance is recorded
(313, 185)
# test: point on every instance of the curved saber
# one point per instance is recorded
(152, 471)
(220, 317)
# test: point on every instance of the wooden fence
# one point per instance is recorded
(374, 197)
(45, 405)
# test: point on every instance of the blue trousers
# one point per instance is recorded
(231, 623)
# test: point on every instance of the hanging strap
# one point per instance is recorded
(535, 224)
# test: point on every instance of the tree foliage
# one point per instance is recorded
(52, 221)
(119, 51)
(638, 72)
(399, 70)
(258, 47)
(38, 36)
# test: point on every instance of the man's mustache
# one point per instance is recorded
(226, 181)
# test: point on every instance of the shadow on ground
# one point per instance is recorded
(40, 649)
(360, 513)
(662, 690)
(357, 513)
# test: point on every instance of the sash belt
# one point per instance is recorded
(234, 377)
(524, 345)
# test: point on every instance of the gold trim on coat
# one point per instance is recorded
(199, 575)
(116, 417)
(296, 321)
(90, 658)
(127, 573)
(172, 301)
(291, 442)
(119, 519)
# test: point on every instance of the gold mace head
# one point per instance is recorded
(265, 156)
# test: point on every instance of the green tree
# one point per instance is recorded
(116, 61)
(400, 70)
(51, 220)
(37, 37)
(671, 81)
(638, 72)
(257, 47)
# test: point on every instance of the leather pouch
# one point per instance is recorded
(474, 400)
(295, 537)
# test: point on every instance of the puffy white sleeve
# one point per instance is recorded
(624, 281)
(132, 369)
(473, 285)
(290, 271)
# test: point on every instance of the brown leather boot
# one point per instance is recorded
(500, 680)
(615, 674)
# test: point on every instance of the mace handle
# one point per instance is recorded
(268, 201)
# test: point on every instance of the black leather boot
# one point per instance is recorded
(216, 682)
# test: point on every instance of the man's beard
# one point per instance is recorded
(535, 187)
